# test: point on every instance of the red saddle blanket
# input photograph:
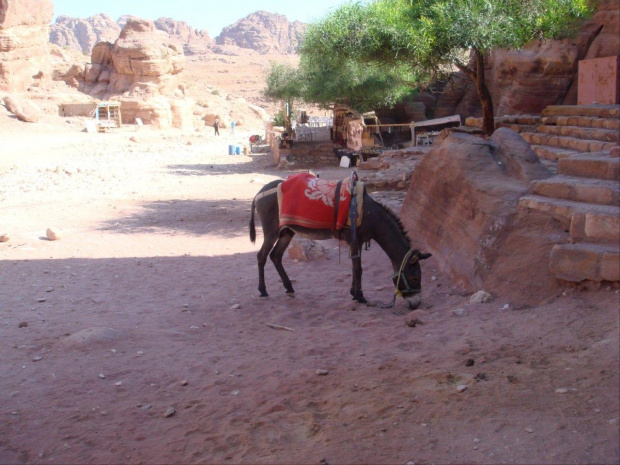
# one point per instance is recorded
(308, 201)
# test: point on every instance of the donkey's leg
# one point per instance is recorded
(276, 257)
(356, 285)
(262, 255)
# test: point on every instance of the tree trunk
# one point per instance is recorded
(488, 117)
(477, 76)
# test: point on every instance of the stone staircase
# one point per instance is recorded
(580, 145)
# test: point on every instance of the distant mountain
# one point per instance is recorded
(83, 34)
(264, 32)
(261, 31)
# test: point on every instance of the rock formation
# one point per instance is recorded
(264, 32)
(83, 34)
(194, 41)
(142, 66)
(462, 205)
(23, 42)
(541, 74)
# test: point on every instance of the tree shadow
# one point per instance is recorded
(228, 218)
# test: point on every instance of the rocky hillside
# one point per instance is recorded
(265, 33)
(262, 32)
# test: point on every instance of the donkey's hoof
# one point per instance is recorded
(264, 294)
(290, 294)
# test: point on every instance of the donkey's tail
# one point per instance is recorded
(252, 225)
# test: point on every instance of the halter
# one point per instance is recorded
(414, 257)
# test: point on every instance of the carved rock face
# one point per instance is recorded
(23, 42)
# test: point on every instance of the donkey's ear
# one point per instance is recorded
(424, 256)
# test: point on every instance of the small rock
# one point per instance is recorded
(480, 297)
(470, 362)
(134, 139)
(36, 358)
(169, 412)
(118, 383)
(49, 289)
(41, 299)
(235, 307)
(147, 407)
(461, 388)
(321, 372)
(4, 238)
(561, 390)
(528, 430)
(23, 324)
(52, 234)
(459, 312)
(236, 392)
(505, 307)
(413, 318)
(184, 382)
(101, 375)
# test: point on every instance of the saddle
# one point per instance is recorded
(308, 201)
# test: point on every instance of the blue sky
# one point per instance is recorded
(212, 15)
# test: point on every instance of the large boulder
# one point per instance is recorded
(24, 110)
(462, 206)
(24, 28)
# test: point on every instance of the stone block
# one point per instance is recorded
(602, 227)
(574, 263)
(610, 266)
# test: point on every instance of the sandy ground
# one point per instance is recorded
(149, 302)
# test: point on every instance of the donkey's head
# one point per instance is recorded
(408, 280)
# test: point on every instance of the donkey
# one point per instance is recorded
(378, 223)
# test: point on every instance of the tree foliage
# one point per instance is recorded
(371, 52)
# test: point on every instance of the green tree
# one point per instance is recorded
(432, 38)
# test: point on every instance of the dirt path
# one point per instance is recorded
(149, 302)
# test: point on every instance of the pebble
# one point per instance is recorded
(459, 312)
(118, 383)
(470, 362)
(101, 375)
(461, 388)
(505, 307)
(4, 238)
(184, 382)
(236, 392)
(36, 358)
(561, 390)
(413, 318)
(49, 289)
(480, 297)
(52, 234)
(23, 324)
(41, 299)
(169, 412)
(235, 307)
(321, 372)
(528, 429)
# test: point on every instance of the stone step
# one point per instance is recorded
(581, 262)
(603, 135)
(585, 190)
(595, 111)
(571, 143)
(517, 127)
(582, 121)
(598, 165)
(546, 152)
(585, 222)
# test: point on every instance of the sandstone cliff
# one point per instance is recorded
(23, 42)
(194, 41)
(264, 32)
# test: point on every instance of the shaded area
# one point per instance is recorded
(257, 162)
(228, 218)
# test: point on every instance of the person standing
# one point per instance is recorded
(216, 126)
(232, 127)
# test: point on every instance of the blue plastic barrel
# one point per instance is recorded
(231, 150)
(238, 150)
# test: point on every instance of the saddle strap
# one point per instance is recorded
(337, 203)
